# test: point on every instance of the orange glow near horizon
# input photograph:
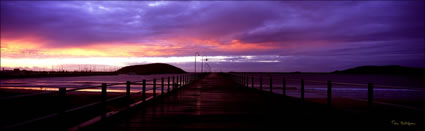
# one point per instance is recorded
(38, 53)
(37, 48)
(31, 49)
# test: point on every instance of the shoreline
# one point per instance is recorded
(30, 74)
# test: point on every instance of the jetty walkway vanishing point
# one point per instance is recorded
(218, 100)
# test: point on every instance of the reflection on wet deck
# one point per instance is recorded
(217, 102)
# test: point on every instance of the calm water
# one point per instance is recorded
(53, 83)
(388, 89)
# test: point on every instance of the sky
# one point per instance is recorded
(258, 36)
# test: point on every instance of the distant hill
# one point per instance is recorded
(383, 70)
(156, 68)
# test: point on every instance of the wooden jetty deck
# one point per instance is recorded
(218, 102)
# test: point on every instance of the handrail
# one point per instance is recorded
(71, 90)
(248, 81)
(182, 80)
(324, 82)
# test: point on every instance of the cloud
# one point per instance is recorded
(342, 30)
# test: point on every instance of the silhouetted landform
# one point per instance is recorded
(16, 73)
(155, 68)
(393, 69)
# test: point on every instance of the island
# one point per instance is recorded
(154, 68)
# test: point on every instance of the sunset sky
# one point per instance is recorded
(235, 36)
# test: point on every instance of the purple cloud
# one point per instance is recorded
(345, 33)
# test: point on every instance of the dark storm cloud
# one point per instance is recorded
(356, 33)
(92, 22)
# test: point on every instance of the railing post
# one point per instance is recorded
(62, 98)
(177, 82)
(154, 88)
(261, 83)
(370, 95)
(127, 93)
(271, 85)
(144, 90)
(329, 92)
(162, 85)
(243, 81)
(247, 81)
(168, 85)
(103, 92)
(180, 81)
(62, 92)
(103, 99)
(173, 83)
(302, 89)
(252, 81)
(283, 86)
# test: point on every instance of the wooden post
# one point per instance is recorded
(168, 85)
(370, 95)
(239, 79)
(180, 83)
(154, 88)
(177, 81)
(243, 81)
(62, 92)
(173, 85)
(127, 93)
(283, 86)
(104, 92)
(144, 90)
(62, 98)
(162, 85)
(261, 83)
(252, 82)
(271, 85)
(329, 92)
(247, 81)
(103, 99)
(302, 89)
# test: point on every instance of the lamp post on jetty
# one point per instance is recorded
(202, 63)
(196, 54)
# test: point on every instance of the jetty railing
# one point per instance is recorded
(320, 89)
(150, 89)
